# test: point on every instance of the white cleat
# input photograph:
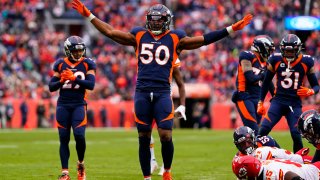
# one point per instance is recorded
(154, 166)
(161, 171)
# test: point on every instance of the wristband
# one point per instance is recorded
(230, 30)
(91, 16)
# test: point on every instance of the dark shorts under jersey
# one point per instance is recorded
(68, 116)
(151, 106)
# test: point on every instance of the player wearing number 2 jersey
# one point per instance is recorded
(73, 75)
(290, 67)
(249, 167)
(157, 48)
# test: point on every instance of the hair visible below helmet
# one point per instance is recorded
(246, 167)
(244, 139)
(73, 44)
(290, 47)
(158, 19)
(264, 45)
(309, 126)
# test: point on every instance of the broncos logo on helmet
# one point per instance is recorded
(158, 19)
(309, 126)
(264, 45)
(290, 47)
(74, 48)
(244, 139)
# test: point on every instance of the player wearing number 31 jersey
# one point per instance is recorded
(73, 75)
(290, 67)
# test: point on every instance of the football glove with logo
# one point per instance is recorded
(242, 23)
(68, 75)
(182, 110)
(261, 110)
(305, 92)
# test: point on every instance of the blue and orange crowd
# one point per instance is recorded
(29, 43)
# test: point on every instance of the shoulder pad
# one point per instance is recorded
(56, 64)
(247, 55)
(137, 29)
(180, 33)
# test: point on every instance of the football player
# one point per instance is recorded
(157, 48)
(73, 75)
(309, 127)
(265, 147)
(251, 72)
(290, 67)
(180, 112)
(249, 167)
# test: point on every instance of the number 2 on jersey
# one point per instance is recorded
(68, 84)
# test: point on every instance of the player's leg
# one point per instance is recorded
(79, 122)
(247, 111)
(64, 127)
(271, 118)
(143, 117)
(164, 113)
(153, 162)
(292, 120)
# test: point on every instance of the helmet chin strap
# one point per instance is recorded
(75, 59)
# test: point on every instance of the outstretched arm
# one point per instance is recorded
(124, 38)
(189, 43)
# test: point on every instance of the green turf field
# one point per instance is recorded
(113, 154)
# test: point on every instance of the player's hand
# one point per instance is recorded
(81, 8)
(261, 110)
(62, 80)
(182, 111)
(242, 23)
(303, 151)
(305, 92)
(68, 75)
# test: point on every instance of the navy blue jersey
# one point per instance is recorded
(289, 79)
(257, 67)
(70, 92)
(266, 141)
(157, 57)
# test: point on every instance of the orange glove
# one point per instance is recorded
(305, 92)
(81, 8)
(68, 75)
(242, 23)
(62, 80)
(261, 110)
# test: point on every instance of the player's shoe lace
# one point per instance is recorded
(64, 176)
(154, 166)
(166, 176)
(81, 171)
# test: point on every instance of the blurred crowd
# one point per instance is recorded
(29, 46)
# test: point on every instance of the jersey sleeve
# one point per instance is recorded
(57, 66)
(135, 30)
(274, 58)
(309, 61)
(180, 33)
(91, 64)
(246, 55)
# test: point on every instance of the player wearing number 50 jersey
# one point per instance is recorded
(249, 167)
(290, 67)
(157, 48)
(73, 75)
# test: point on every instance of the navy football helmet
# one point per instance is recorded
(158, 19)
(309, 126)
(290, 47)
(74, 48)
(244, 139)
(264, 45)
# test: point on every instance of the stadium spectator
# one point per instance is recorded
(24, 113)
(9, 113)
